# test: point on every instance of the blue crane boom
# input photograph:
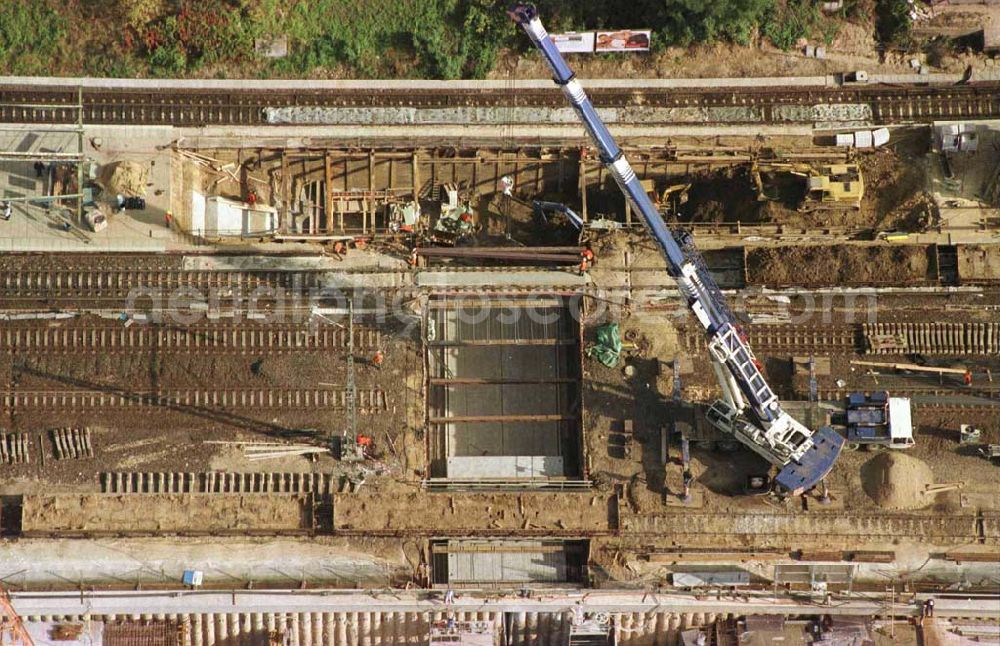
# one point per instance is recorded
(749, 409)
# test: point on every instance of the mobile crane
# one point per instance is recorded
(748, 409)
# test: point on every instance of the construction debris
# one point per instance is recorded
(72, 443)
(255, 451)
(126, 178)
(14, 448)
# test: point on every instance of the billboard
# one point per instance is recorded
(574, 43)
(623, 40)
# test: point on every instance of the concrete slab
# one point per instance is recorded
(361, 135)
(474, 279)
(43, 562)
(260, 263)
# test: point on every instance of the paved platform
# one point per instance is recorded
(151, 602)
(38, 227)
(315, 136)
(828, 80)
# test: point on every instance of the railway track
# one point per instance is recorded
(371, 401)
(197, 339)
(785, 339)
(218, 482)
(923, 396)
(932, 338)
(889, 104)
(120, 283)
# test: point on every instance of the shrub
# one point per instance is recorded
(892, 22)
(31, 34)
(794, 20)
(198, 34)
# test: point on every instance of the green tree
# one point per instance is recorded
(31, 35)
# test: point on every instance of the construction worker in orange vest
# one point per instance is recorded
(378, 359)
(967, 378)
(586, 260)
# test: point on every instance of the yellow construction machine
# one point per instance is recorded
(670, 200)
(829, 186)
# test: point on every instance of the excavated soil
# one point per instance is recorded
(723, 195)
(816, 266)
(897, 481)
(166, 513)
(429, 512)
(978, 262)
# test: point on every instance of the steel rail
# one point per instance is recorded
(889, 104)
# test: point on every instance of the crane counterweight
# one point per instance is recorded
(749, 410)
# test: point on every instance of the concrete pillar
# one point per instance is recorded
(376, 629)
(197, 636)
(293, 629)
(305, 628)
(341, 625)
(399, 628)
(327, 631)
(222, 627)
(247, 629)
(317, 629)
(210, 625)
(352, 629)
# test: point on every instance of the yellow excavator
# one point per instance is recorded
(828, 187)
(670, 200)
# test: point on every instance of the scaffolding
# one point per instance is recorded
(12, 629)
(30, 110)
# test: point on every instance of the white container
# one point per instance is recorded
(880, 137)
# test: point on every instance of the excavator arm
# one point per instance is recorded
(749, 408)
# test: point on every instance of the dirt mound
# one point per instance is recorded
(125, 177)
(818, 266)
(154, 513)
(722, 196)
(897, 481)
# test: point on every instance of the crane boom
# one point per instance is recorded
(749, 409)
